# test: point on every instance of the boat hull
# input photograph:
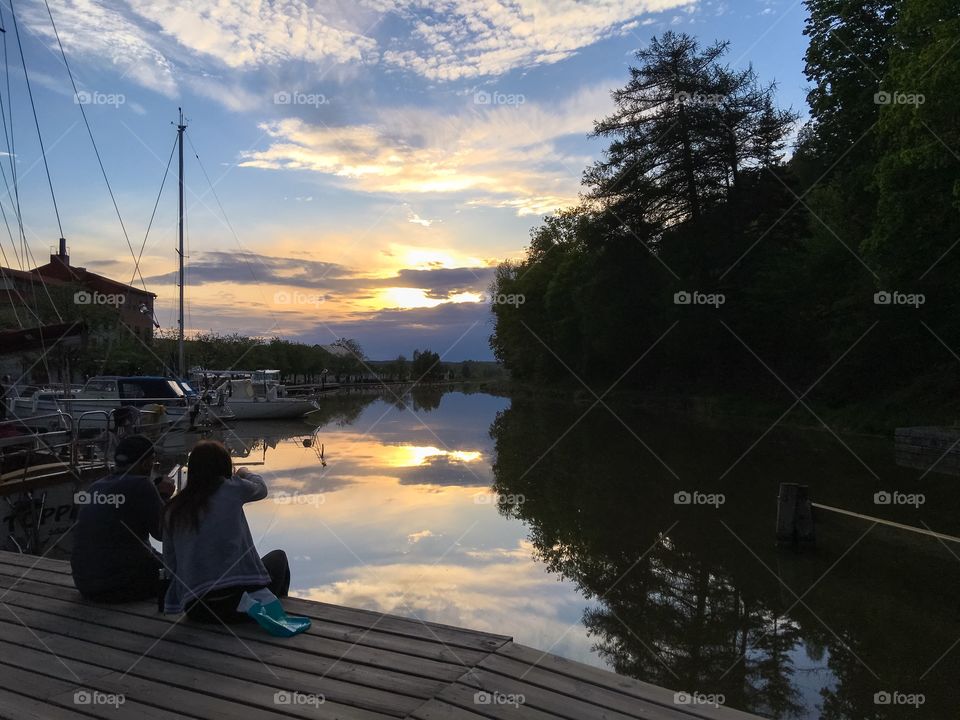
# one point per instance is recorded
(271, 409)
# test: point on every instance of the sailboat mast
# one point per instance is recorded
(180, 356)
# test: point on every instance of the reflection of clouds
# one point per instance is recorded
(404, 532)
(416, 537)
(305, 479)
(413, 455)
(508, 593)
(446, 470)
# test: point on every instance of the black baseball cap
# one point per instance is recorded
(133, 449)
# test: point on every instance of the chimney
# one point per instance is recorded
(61, 256)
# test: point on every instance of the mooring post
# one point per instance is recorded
(795, 516)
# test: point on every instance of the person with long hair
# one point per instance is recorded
(207, 547)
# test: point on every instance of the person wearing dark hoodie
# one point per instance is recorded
(112, 560)
(208, 550)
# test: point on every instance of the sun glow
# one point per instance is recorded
(407, 298)
(415, 455)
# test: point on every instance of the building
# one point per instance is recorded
(135, 306)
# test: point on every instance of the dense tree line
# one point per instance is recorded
(726, 263)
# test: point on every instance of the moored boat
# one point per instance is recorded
(162, 400)
(256, 395)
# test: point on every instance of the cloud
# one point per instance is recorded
(416, 537)
(500, 589)
(412, 217)
(443, 470)
(458, 331)
(242, 34)
(462, 39)
(501, 156)
(108, 37)
(444, 41)
(247, 268)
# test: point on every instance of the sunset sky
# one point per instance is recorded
(375, 159)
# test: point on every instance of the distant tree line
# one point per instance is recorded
(705, 258)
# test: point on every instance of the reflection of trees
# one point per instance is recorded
(426, 397)
(679, 617)
(422, 398)
(342, 409)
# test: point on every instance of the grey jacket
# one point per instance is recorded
(220, 552)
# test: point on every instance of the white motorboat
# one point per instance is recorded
(257, 395)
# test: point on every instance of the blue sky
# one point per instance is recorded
(374, 159)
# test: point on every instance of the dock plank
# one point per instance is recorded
(251, 680)
(24, 707)
(366, 665)
(323, 625)
(331, 640)
(356, 617)
(76, 620)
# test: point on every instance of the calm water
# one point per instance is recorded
(526, 518)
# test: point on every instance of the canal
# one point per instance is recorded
(636, 541)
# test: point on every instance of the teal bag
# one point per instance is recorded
(264, 607)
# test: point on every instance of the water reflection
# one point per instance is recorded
(401, 519)
(699, 599)
(531, 519)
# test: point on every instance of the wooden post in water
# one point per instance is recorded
(795, 516)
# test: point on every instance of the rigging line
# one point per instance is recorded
(13, 304)
(27, 253)
(214, 191)
(11, 146)
(4, 254)
(11, 158)
(153, 214)
(223, 212)
(96, 150)
(36, 119)
(13, 243)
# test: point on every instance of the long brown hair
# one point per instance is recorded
(209, 465)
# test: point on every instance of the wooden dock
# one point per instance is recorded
(63, 657)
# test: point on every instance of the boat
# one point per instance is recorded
(154, 401)
(255, 395)
(44, 461)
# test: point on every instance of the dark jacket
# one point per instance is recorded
(111, 547)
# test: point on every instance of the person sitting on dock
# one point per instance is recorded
(208, 550)
(112, 560)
